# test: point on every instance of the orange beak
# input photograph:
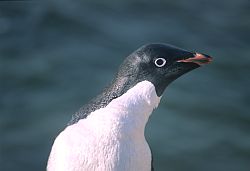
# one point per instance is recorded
(200, 59)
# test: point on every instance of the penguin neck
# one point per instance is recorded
(120, 87)
(128, 114)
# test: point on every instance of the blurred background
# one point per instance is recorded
(56, 55)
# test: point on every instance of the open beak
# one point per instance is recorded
(200, 59)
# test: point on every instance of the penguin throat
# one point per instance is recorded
(129, 113)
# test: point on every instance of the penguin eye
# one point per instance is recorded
(160, 62)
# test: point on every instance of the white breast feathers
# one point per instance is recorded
(110, 138)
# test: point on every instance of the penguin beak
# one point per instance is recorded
(199, 59)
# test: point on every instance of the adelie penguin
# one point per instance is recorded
(107, 134)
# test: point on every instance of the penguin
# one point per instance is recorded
(107, 134)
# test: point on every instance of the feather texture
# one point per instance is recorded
(110, 138)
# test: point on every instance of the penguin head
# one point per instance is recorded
(160, 64)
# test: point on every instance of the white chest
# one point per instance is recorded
(111, 138)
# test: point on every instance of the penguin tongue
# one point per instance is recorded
(200, 59)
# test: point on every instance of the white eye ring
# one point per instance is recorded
(160, 62)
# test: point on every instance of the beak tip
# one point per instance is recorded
(207, 56)
(202, 59)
